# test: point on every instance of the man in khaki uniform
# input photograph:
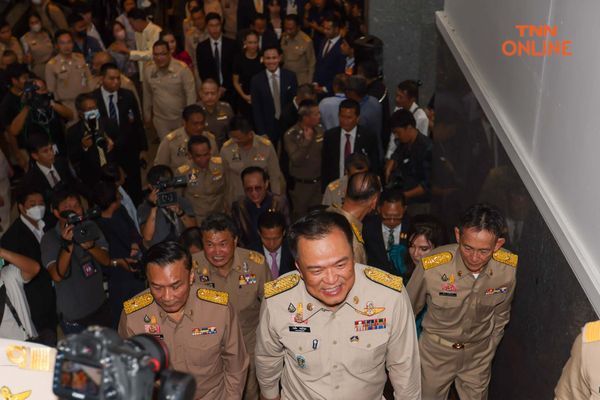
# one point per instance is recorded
(51, 14)
(240, 273)
(218, 113)
(336, 190)
(67, 74)
(168, 87)
(104, 57)
(246, 149)
(580, 377)
(172, 150)
(198, 325)
(468, 288)
(193, 35)
(206, 185)
(303, 143)
(9, 42)
(361, 198)
(298, 50)
(331, 329)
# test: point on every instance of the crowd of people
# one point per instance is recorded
(225, 175)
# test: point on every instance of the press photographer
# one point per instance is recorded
(74, 252)
(29, 107)
(90, 142)
(164, 215)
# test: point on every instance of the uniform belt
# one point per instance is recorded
(315, 180)
(444, 342)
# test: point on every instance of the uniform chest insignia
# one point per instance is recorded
(334, 185)
(229, 142)
(256, 257)
(357, 233)
(137, 303)
(5, 393)
(591, 332)
(436, 260)
(216, 160)
(171, 136)
(506, 257)
(213, 296)
(264, 140)
(280, 285)
(183, 169)
(383, 278)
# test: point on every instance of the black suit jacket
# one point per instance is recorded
(36, 180)
(206, 62)
(326, 68)
(287, 263)
(375, 244)
(263, 107)
(246, 12)
(365, 143)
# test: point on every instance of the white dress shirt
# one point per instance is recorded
(270, 260)
(46, 172)
(343, 146)
(386, 234)
(105, 97)
(332, 43)
(37, 232)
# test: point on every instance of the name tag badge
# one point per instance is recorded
(88, 269)
(448, 294)
(304, 329)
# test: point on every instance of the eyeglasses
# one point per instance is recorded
(254, 189)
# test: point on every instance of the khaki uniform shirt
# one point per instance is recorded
(168, 91)
(172, 150)
(27, 370)
(193, 36)
(336, 191)
(358, 244)
(68, 78)
(14, 45)
(52, 16)
(40, 46)
(244, 284)
(217, 121)
(580, 377)
(305, 155)
(299, 56)
(318, 353)
(261, 154)
(206, 343)
(461, 308)
(205, 189)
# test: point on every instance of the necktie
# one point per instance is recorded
(390, 241)
(274, 266)
(112, 110)
(326, 49)
(276, 98)
(218, 62)
(54, 177)
(347, 146)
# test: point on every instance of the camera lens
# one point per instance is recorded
(155, 348)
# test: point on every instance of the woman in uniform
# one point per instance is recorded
(37, 46)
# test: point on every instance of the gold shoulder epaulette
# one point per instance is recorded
(228, 143)
(591, 332)
(171, 136)
(436, 260)
(385, 279)
(306, 38)
(280, 285)
(216, 160)
(264, 140)
(52, 61)
(506, 257)
(357, 233)
(213, 296)
(183, 169)
(137, 303)
(256, 257)
(334, 185)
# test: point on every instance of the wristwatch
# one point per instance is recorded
(114, 263)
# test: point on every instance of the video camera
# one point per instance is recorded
(84, 229)
(92, 127)
(98, 365)
(168, 197)
(35, 100)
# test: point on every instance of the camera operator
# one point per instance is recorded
(28, 107)
(75, 265)
(90, 142)
(15, 317)
(125, 247)
(159, 222)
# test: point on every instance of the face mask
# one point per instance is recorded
(92, 114)
(36, 27)
(36, 2)
(36, 213)
(120, 35)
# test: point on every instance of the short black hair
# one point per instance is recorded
(271, 219)
(219, 222)
(111, 172)
(351, 104)
(157, 173)
(192, 109)
(165, 253)
(258, 16)
(36, 141)
(191, 236)
(272, 47)
(24, 191)
(363, 186)
(357, 84)
(136, 13)
(411, 87)
(82, 8)
(159, 43)
(196, 9)
(305, 106)
(254, 170)
(197, 139)
(83, 97)
(357, 161)
(316, 225)
(305, 90)
(339, 82)
(402, 118)
(58, 196)
(483, 216)
(369, 68)
(394, 195)
(17, 70)
(335, 21)
(428, 226)
(104, 194)
(74, 18)
(212, 15)
(61, 32)
(4, 23)
(211, 81)
(240, 123)
(292, 17)
(108, 66)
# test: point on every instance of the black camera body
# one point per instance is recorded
(92, 127)
(37, 101)
(84, 229)
(168, 197)
(98, 365)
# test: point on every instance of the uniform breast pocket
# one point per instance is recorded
(488, 303)
(366, 351)
(446, 311)
(303, 354)
(202, 351)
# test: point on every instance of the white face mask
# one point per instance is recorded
(36, 213)
(120, 35)
(36, 27)
(36, 2)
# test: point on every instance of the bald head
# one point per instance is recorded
(363, 186)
